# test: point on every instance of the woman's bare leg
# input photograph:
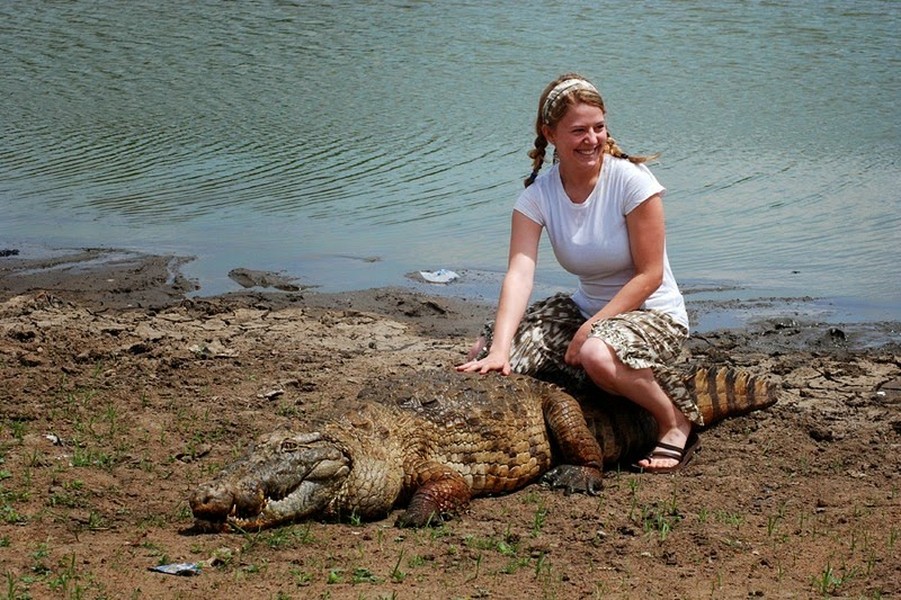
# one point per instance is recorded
(609, 373)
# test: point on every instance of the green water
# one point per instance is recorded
(304, 137)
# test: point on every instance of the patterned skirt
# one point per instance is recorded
(642, 339)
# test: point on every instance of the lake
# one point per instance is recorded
(350, 144)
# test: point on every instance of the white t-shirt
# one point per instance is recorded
(591, 241)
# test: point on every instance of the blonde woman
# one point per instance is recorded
(626, 322)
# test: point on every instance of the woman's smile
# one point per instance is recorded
(580, 136)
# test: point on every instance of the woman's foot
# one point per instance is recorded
(668, 456)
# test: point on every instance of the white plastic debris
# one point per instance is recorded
(183, 569)
(439, 276)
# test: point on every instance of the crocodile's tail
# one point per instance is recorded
(723, 392)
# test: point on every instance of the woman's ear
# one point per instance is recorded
(548, 132)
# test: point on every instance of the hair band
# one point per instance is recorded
(560, 90)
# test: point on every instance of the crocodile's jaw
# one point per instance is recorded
(282, 478)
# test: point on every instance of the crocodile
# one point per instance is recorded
(430, 441)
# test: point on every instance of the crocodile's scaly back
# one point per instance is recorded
(489, 430)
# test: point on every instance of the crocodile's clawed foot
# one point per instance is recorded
(575, 478)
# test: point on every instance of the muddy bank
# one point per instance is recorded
(119, 394)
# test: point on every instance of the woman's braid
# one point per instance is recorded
(613, 149)
(537, 156)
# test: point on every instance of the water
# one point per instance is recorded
(310, 137)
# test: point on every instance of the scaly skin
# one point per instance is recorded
(431, 441)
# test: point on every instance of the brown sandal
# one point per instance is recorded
(663, 450)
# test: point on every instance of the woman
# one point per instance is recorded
(626, 322)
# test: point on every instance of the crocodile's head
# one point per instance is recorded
(283, 477)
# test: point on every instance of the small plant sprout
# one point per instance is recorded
(396, 573)
(539, 519)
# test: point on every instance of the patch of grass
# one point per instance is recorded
(363, 575)
(438, 532)
(17, 428)
(8, 514)
(278, 538)
(396, 574)
(771, 522)
(660, 518)
(478, 567)
(96, 522)
(515, 564)
(735, 519)
(13, 589)
(92, 457)
(829, 581)
(301, 578)
(506, 546)
(68, 495)
(419, 560)
(66, 581)
(287, 409)
(542, 565)
(64, 578)
(509, 547)
(157, 552)
(183, 513)
(539, 518)
(290, 537)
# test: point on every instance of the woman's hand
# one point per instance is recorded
(575, 345)
(490, 363)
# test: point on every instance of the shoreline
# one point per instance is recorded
(116, 279)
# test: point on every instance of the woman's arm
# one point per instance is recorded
(515, 293)
(646, 241)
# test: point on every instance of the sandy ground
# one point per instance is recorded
(118, 395)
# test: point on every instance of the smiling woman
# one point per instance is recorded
(581, 135)
(626, 322)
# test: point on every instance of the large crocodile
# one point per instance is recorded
(433, 440)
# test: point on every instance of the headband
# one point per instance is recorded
(560, 90)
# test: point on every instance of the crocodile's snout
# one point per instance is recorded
(283, 475)
(213, 502)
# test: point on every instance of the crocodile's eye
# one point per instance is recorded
(289, 446)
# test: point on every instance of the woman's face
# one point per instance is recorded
(579, 137)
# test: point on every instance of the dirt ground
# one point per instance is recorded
(118, 394)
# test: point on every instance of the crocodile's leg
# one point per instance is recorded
(440, 492)
(581, 456)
